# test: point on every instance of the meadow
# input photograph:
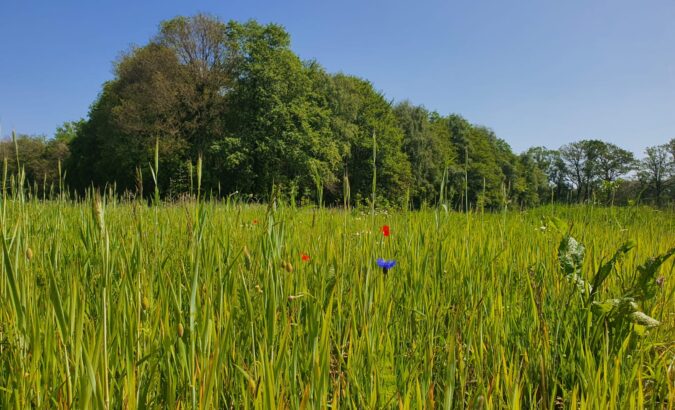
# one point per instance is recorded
(223, 304)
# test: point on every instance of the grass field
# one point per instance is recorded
(213, 305)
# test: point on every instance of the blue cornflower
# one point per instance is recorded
(385, 264)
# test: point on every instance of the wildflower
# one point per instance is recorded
(386, 264)
(304, 257)
(385, 230)
(255, 222)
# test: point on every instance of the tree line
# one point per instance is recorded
(236, 98)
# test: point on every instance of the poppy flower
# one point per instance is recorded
(385, 230)
(255, 222)
(385, 264)
(304, 257)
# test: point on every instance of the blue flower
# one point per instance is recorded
(385, 264)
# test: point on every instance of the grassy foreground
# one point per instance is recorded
(213, 306)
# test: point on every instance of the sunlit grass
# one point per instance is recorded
(212, 306)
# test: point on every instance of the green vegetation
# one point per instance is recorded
(213, 305)
(112, 296)
(237, 98)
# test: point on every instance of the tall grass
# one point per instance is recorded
(107, 303)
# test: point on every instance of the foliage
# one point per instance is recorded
(620, 316)
(68, 131)
(427, 147)
(235, 96)
(37, 159)
(657, 171)
(362, 117)
(282, 122)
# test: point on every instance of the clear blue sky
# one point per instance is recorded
(537, 72)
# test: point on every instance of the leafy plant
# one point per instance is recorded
(615, 314)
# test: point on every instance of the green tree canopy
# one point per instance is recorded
(236, 96)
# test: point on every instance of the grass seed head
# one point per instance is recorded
(248, 260)
(287, 266)
(97, 211)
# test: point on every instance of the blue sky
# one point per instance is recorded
(536, 72)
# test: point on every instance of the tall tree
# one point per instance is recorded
(141, 105)
(582, 161)
(282, 122)
(203, 49)
(656, 168)
(358, 113)
(429, 152)
(487, 172)
(613, 162)
(574, 157)
(538, 165)
(37, 156)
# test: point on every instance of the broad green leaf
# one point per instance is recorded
(557, 224)
(607, 267)
(646, 286)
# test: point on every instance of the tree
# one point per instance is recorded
(358, 113)
(142, 104)
(171, 90)
(200, 42)
(552, 164)
(537, 165)
(574, 157)
(486, 173)
(613, 162)
(38, 157)
(68, 131)
(281, 121)
(203, 48)
(656, 168)
(582, 161)
(592, 152)
(429, 153)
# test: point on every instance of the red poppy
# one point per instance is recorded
(385, 230)
(305, 257)
(255, 222)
